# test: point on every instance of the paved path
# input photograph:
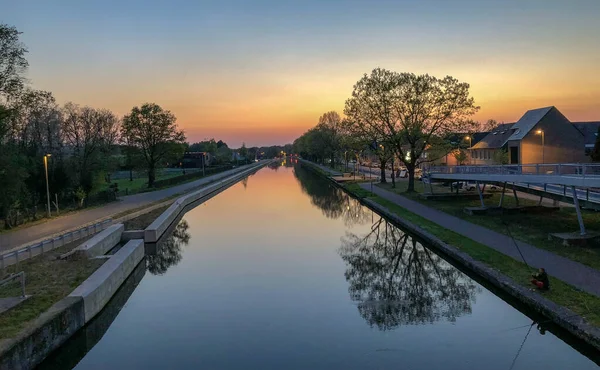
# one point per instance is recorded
(574, 273)
(71, 221)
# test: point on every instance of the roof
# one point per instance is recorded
(528, 122)
(496, 138)
(589, 130)
(457, 138)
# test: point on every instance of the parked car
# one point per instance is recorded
(473, 186)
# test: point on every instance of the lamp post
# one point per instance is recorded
(541, 132)
(203, 160)
(47, 185)
(470, 145)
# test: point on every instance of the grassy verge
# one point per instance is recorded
(530, 228)
(142, 221)
(582, 303)
(47, 280)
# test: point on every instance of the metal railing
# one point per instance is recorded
(554, 169)
(11, 277)
(15, 256)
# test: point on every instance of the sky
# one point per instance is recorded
(262, 72)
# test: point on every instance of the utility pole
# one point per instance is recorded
(47, 184)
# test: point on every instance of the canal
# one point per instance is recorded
(285, 271)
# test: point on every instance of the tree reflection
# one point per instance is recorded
(245, 182)
(396, 281)
(168, 252)
(331, 200)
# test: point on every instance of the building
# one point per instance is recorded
(542, 135)
(196, 159)
(590, 133)
(461, 142)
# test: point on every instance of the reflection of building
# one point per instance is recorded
(195, 159)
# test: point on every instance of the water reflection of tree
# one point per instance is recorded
(168, 252)
(333, 202)
(245, 182)
(396, 281)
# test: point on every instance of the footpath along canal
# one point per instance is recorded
(285, 271)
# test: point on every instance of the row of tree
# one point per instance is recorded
(394, 115)
(74, 147)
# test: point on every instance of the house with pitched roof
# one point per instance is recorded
(542, 135)
(590, 134)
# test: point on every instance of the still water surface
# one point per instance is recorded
(284, 271)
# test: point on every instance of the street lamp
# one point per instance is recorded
(541, 132)
(47, 185)
(470, 146)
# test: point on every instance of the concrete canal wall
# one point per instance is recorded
(157, 228)
(22, 253)
(561, 316)
(97, 290)
(71, 313)
(46, 334)
(101, 243)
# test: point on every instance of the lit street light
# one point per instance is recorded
(541, 132)
(47, 185)
(470, 146)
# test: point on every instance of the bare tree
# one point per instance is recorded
(89, 133)
(152, 130)
(12, 61)
(36, 122)
(489, 125)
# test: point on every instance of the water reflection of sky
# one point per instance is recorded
(270, 278)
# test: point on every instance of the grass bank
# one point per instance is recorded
(528, 227)
(582, 303)
(47, 280)
(143, 221)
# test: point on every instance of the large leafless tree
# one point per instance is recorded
(89, 133)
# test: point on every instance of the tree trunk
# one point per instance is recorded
(393, 175)
(411, 177)
(332, 160)
(131, 174)
(151, 176)
(383, 180)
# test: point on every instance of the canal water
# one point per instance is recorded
(285, 271)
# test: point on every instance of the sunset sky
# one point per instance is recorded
(264, 71)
